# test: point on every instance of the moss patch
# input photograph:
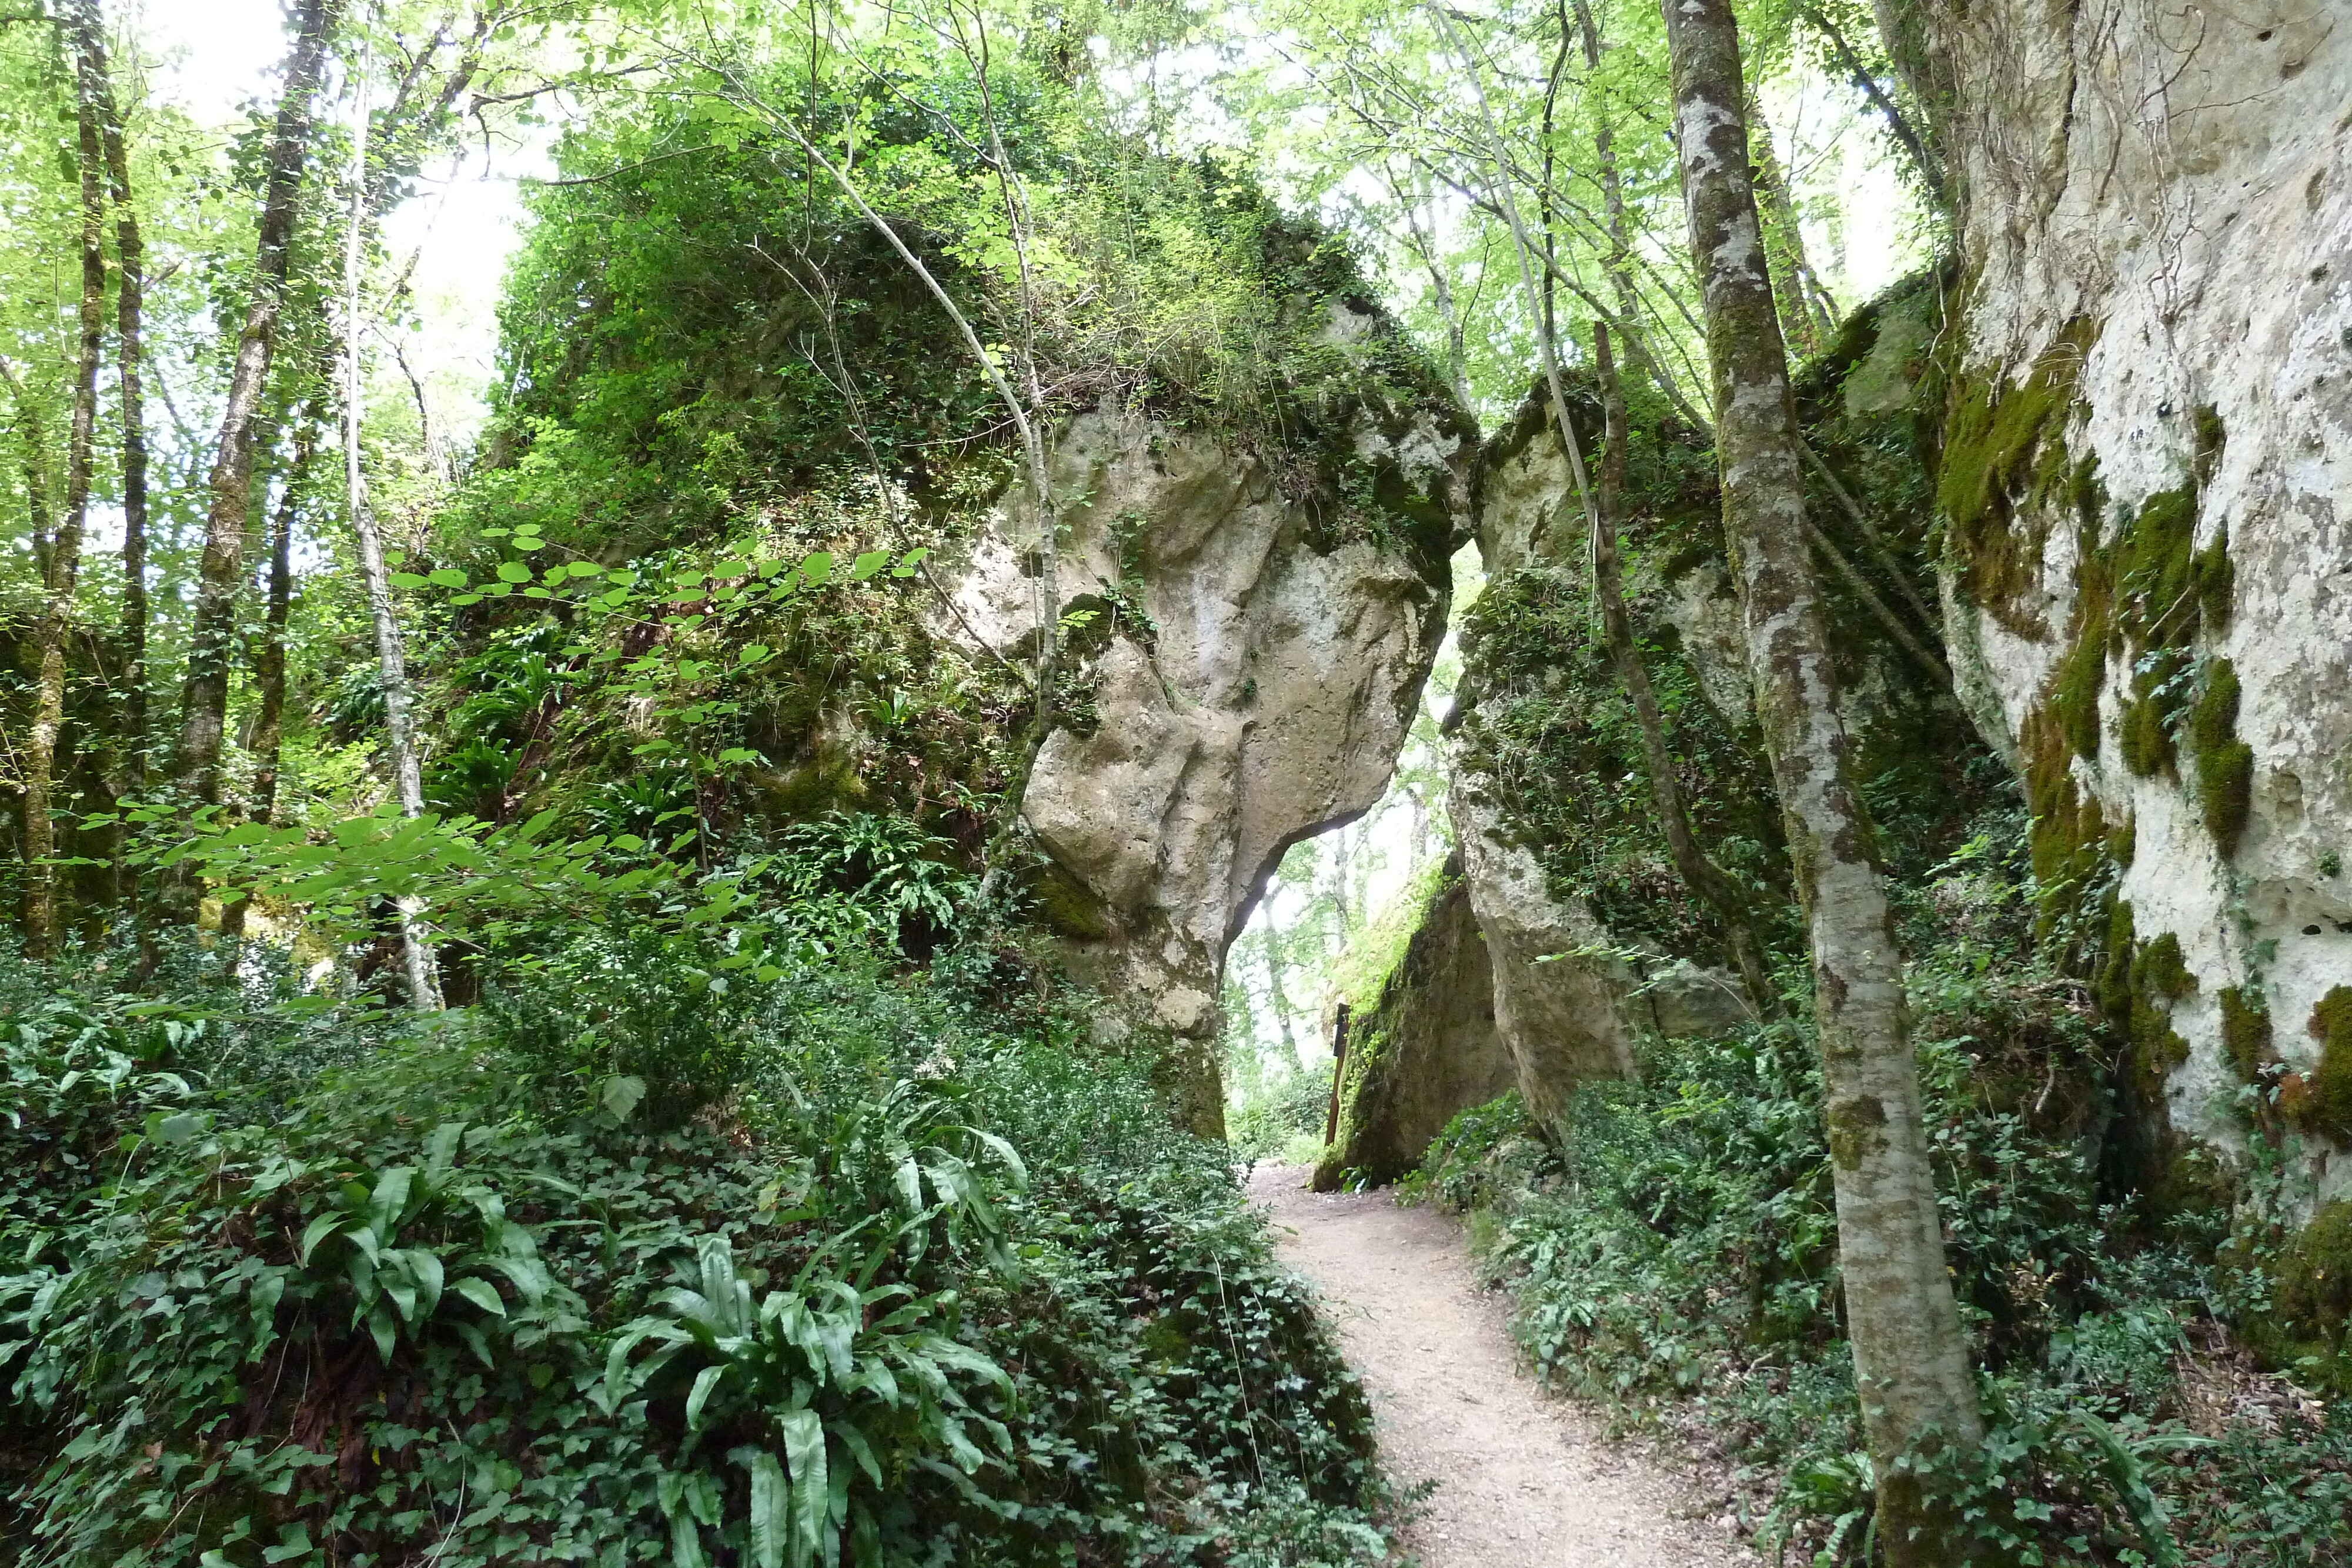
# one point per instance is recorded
(1067, 907)
(2002, 442)
(2311, 1327)
(2324, 1107)
(2225, 765)
(2246, 1031)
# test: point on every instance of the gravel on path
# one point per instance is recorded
(1524, 1480)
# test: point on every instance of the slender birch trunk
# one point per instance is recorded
(1911, 1360)
(1804, 321)
(64, 563)
(196, 767)
(391, 648)
(1705, 880)
(1277, 996)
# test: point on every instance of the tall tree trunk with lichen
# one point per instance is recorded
(64, 556)
(1700, 874)
(1804, 316)
(1911, 1363)
(131, 769)
(196, 766)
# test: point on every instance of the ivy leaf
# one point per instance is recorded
(817, 569)
(622, 1095)
(867, 563)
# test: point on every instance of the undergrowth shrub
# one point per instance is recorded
(880, 1281)
(1674, 1255)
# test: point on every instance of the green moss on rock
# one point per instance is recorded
(2325, 1107)
(2246, 1031)
(2001, 441)
(2225, 765)
(2310, 1328)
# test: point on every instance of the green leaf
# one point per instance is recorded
(293, 1540)
(867, 563)
(482, 1293)
(622, 1095)
(381, 1325)
(389, 1201)
(684, 1540)
(771, 1509)
(176, 1129)
(817, 569)
(447, 577)
(441, 1146)
(804, 1452)
(408, 580)
(261, 1304)
(513, 571)
(424, 1268)
(705, 1384)
(317, 1230)
(474, 1342)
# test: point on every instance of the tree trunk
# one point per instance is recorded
(1706, 882)
(1911, 1363)
(269, 657)
(64, 561)
(130, 309)
(196, 767)
(1794, 284)
(391, 648)
(1698, 873)
(1276, 996)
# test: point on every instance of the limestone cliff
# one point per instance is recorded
(2145, 490)
(1249, 649)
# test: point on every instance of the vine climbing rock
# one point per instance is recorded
(1247, 635)
(2146, 468)
(1522, 1481)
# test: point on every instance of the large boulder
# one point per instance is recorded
(1423, 1050)
(1251, 644)
(2143, 491)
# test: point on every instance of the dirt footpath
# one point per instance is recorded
(1522, 1479)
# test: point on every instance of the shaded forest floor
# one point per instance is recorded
(1520, 1477)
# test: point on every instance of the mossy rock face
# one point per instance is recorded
(2003, 451)
(2320, 1101)
(2246, 1031)
(2310, 1331)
